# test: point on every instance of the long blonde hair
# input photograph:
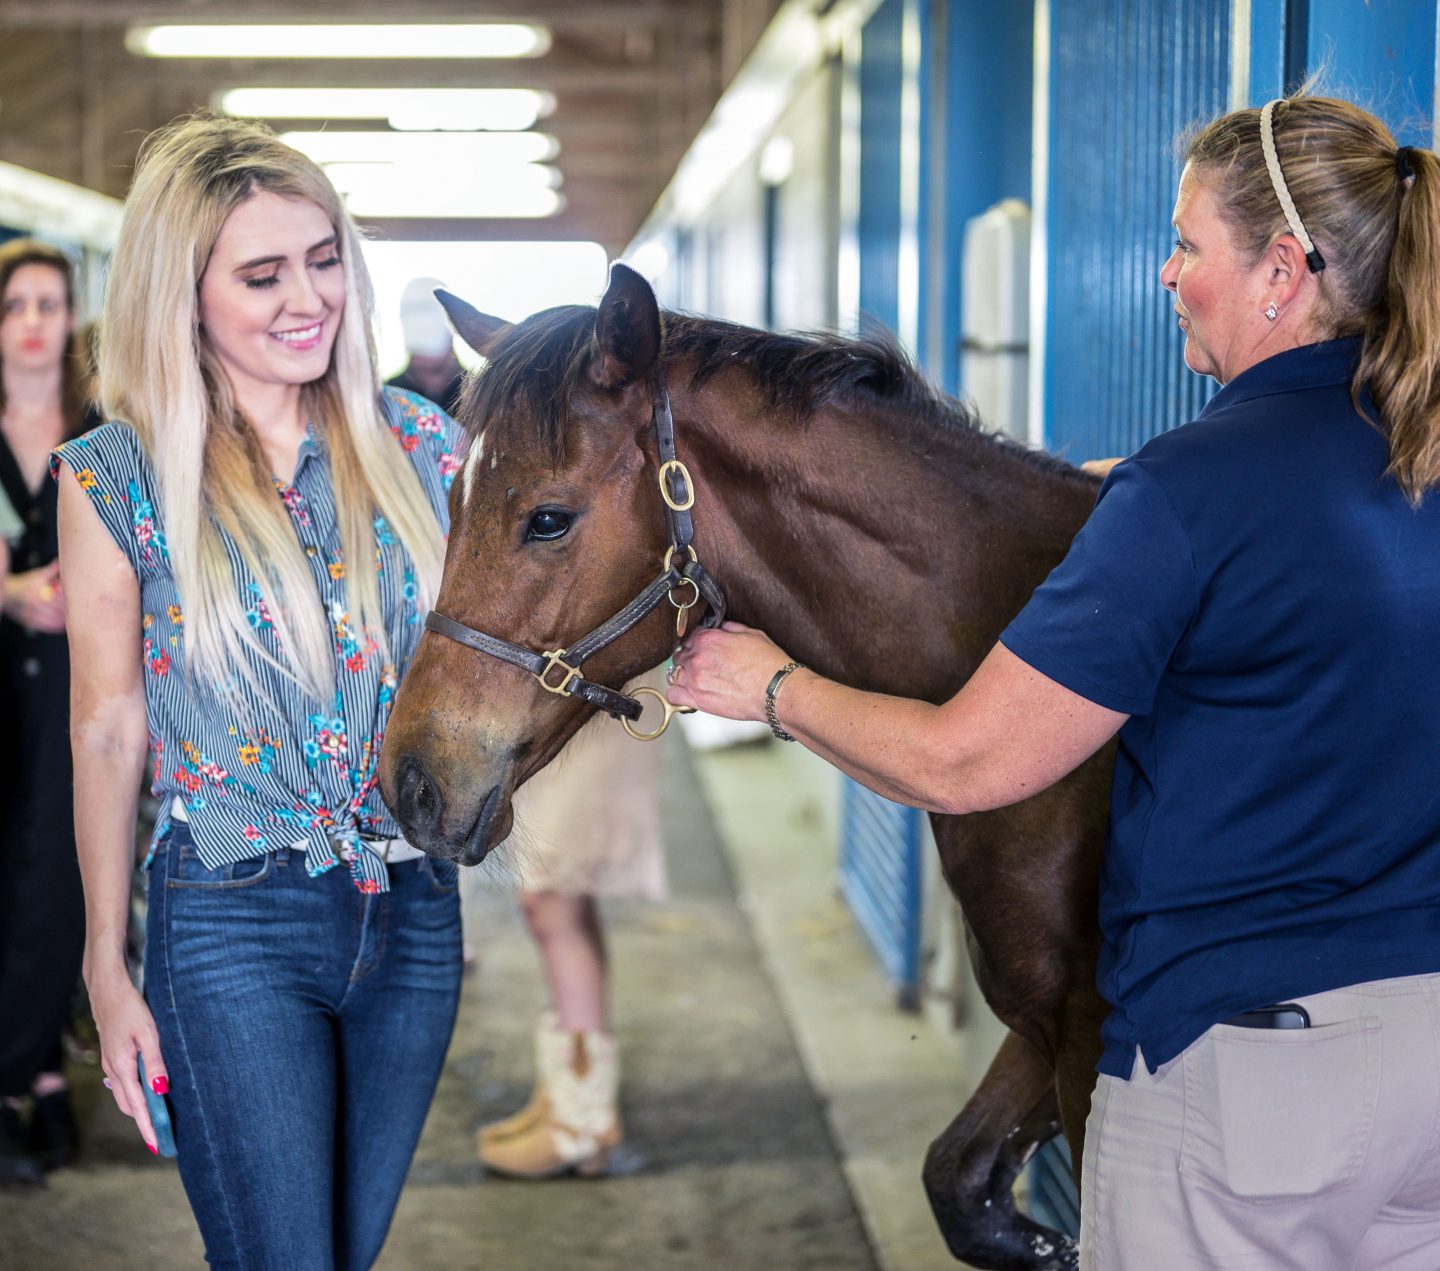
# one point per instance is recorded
(1374, 213)
(159, 374)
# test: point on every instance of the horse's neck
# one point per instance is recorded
(889, 561)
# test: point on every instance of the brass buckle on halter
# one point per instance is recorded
(554, 658)
(670, 713)
(674, 465)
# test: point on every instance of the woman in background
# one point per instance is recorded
(42, 916)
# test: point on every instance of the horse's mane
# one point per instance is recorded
(535, 366)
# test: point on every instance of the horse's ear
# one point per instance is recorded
(627, 329)
(477, 329)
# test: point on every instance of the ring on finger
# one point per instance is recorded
(106, 1082)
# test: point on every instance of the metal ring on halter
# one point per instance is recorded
(670, 557)
(694, 597)
(674, 465)
(670, 712)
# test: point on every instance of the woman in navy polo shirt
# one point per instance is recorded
(1255, 608)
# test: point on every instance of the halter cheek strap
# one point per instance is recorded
(1313, 258)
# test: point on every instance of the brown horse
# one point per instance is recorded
(869, 526)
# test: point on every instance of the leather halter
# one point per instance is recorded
(558, 670)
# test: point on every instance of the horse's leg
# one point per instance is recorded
(1075, 1061)
(971, 1168)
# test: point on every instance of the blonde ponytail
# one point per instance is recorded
(1401, 362)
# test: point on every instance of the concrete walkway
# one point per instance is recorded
(777, 1103)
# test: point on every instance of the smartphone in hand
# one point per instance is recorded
(159, 1114)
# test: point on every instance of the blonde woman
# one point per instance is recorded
(249, 548)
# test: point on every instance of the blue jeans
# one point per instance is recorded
(304, 1025)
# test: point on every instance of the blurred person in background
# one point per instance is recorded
(433, 370)
(42, 917)
(587, 827)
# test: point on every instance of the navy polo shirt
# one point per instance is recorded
(1259, 597)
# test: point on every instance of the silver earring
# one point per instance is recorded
(1272, 312)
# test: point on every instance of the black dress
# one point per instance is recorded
(42, 912)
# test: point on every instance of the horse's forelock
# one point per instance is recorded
(534, 367)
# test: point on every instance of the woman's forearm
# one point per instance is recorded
(1005, 736)
(109, 758)
(889, 744)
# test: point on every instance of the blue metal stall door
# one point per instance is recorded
(880, 876)
(880, 863)
(983, 152)
(1126, 77)
(1381, 55)
(881, 83)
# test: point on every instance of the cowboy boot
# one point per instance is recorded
(581, 1126)
(539, 1103)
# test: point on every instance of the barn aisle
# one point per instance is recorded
(729, 1162)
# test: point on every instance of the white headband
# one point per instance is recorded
(1313, 258)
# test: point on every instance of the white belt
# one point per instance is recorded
(391, 851)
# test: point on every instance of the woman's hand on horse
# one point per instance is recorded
(725, 670)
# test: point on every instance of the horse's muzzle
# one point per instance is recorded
(419, 807)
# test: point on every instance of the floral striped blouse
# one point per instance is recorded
(294, 772)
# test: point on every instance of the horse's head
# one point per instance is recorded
(556, 522)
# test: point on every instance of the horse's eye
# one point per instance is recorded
(547, 524)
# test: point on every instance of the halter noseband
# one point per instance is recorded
(558, 670)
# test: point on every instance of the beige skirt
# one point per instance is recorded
(589, 823)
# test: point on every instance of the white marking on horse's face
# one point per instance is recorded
(472, 461)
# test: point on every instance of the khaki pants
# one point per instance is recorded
(1306, 1150)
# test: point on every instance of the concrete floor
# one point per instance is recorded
(731, 1159)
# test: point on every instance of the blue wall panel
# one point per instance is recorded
(1126, 77)
(881, 81)
(1381, 54)
(880, 866)
(880, 875)
(985, 143)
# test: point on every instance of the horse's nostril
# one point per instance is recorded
(420, 802)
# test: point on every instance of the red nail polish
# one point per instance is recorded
(160, 1084)
(154, 1151)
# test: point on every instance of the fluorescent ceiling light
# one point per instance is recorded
(339, 39)
(409, 109)
(362, 178)
(392, 199)
(451, 151)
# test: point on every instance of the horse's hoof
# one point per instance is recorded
(1063, 1255)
